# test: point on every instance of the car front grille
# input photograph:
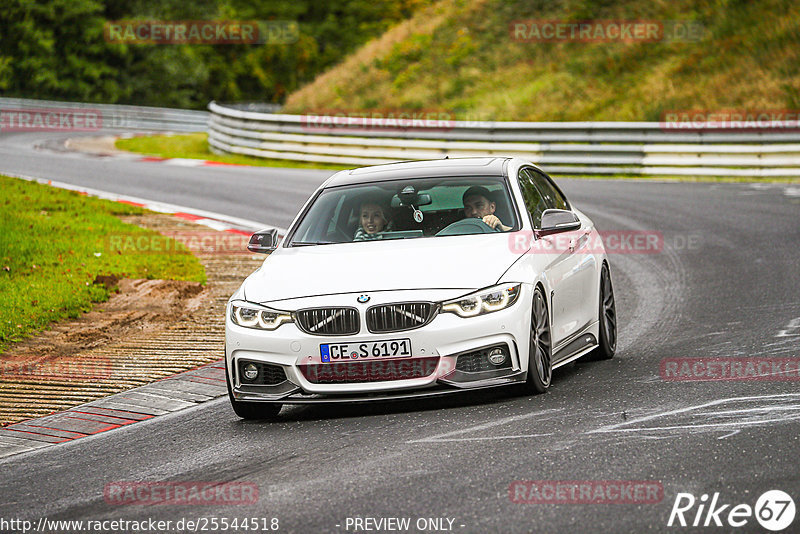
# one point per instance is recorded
(399, 316)
(370, 371)
(328, 321)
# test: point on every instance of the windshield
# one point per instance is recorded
(407, 209)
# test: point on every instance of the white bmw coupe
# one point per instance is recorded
(419, 279)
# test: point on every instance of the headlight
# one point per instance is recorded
(258, 317)
(484, 301)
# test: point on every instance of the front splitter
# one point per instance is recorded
(438, 391)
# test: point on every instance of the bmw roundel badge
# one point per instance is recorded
(363, 298)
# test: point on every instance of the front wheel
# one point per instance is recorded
(250, 410)
(540, 368)
(608, 318)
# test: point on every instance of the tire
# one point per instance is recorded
(540, 365)
(608, 318)
(251, 410)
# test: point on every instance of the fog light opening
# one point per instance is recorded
(250, 371)
(497, 356)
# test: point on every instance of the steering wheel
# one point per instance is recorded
(468, 226)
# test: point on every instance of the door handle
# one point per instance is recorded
(576, 243)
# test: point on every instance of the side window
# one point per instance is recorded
(533, 198)
(552, 196)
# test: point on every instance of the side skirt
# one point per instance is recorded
(581, 345)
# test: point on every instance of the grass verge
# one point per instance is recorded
(195, 146)
(55, 243)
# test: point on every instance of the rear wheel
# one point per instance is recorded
(251, 410)
(540, 368)
(608, 318)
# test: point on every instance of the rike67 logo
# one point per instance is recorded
(774, 510)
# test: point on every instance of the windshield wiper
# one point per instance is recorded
(310, 243)
(394, 238)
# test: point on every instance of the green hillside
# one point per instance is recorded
(459, 56)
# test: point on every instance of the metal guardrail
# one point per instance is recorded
(114, 117)
(632, 148)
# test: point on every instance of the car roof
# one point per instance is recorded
(486, 166)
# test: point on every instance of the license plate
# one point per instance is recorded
(368, 350)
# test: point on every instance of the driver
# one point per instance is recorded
(478, 205)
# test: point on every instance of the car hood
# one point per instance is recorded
(453, 262)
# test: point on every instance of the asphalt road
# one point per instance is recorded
(724, 285)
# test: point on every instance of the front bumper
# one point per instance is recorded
(432, 370)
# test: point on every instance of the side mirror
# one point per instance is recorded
(557, 221)
(263, 242)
